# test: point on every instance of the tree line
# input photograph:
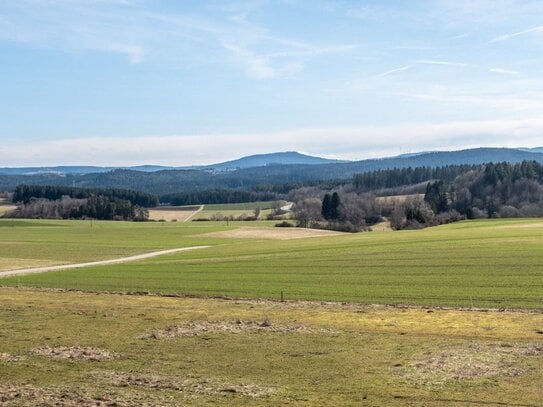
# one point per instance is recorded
(52, 202)
(25, 193)
(218, 196)
(381, 179)
(482, 191)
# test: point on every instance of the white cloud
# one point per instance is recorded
(341, 142)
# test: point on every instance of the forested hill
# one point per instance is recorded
(174, 181)
(258, 160)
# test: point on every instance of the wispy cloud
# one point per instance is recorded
(344, 142)
(422, 62)
(438, 62)
(507, 37)
(503, 71)
(137, 31)
(392, 71)
(256, 66)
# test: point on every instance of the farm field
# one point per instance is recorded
(235, 210)
(192, 212)
(87, 349)
(174, 213)
(490, 263)
(5, 208)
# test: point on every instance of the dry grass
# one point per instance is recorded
(7, 357)
(190, 385)
(6, 208)
(169, 214)
(382, 227)
(14, 394)
(271, 233)
(471, 362)
(230, 327)
(253, 365)
(75, 352)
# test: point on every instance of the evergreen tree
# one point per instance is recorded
(326, 210)
(334, 206)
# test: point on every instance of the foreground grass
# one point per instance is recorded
(348, 355)
(494, 263)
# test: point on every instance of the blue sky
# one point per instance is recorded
(123, 82)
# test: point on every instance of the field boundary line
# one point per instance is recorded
(36, 270)
(200, 209)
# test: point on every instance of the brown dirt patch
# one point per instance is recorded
(192, 385)
(76, 352)
(231, 327)
(271, 233)
(6, 357)
(471, 362)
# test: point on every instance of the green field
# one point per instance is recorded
(490, 263)
(234, 210)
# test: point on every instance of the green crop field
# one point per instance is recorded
(235, 210)
(490, 263)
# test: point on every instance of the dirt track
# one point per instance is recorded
(36, 270)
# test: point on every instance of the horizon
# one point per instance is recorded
(147, 164)
(126, 82)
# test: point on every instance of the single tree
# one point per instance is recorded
(327, 207)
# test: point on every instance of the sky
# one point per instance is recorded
(129, 82)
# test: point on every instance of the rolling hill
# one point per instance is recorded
(168, 181)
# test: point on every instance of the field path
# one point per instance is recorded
(36, 270)
(200, 209)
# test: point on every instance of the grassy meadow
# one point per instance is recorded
(186, 351)
(488, 263)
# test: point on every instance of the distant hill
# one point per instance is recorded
(532, 150)
(169, 181)
(259, 160)
(262, 160)
(76, 169)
